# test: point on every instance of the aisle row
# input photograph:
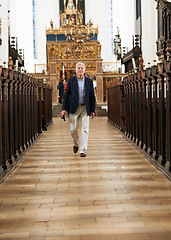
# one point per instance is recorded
(114, 193)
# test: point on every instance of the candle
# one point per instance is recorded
(63, 69)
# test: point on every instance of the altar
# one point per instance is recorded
(73, 42)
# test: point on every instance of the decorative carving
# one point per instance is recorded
(141, 67)
(71, 51)
(164, 29)
(109, 67)
(10, 63)
(51, 23)
(53, 68)
(70, 8)
(73, 40)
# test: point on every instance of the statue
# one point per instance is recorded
(52, 51)
(80, 17)
(63, 19)
(51, 23)
(140, 62)
(10, 63)
(76, 4)
(98, 50)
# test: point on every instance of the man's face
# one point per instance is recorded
(80, 70)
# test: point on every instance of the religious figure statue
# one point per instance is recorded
(52, 51)
(80, 17)
(90, 23)
(51, 23)
(71, 20)
(140, 62)
(76, 4)
(10, 63)
(64, 5)
(70, 8)
(63, 19)
(98, 50)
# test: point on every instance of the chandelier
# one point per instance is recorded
(80, 33)
(76, 35)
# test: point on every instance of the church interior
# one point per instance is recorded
(121, 189)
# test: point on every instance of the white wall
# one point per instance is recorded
(123, 17)
(4, 32)
(22, 27)
(149, 31)
(99, 12)
(45, 11)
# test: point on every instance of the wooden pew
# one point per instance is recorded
(4, 119)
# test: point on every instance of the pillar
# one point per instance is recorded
(99, 81)
(54, 80)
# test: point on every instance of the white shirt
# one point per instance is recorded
(81, 90)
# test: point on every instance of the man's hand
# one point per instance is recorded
(92, 115)
(63, 113)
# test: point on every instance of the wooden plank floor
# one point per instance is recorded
(114, 193)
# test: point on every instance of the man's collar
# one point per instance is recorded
(81, 79)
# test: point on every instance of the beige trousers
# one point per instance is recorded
(80, 114)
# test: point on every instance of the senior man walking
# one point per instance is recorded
(79, 102)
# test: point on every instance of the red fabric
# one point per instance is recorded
(65, 84)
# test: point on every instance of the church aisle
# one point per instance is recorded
(114, 193)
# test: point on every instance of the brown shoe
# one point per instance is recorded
(75, 149)
(82, 155)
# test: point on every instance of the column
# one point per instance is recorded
(35, 110)
(20, 113)
(130, 108)
(24, 112)
(155, 125)
(1, 170)
(136, 109)
(11, 115)
(149, 112)
(133, 120)
(16, 115)
(168, 115)
(140, 110)
(99, 82)
(31, 111)
(5, 140)
(54, 80)
(162, 116)
(27, 105)
(39, 103)
(144, 108)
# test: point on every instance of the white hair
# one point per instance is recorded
(80, 63)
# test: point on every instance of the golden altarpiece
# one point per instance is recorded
(71, 43)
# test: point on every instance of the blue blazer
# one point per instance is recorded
(71, 96)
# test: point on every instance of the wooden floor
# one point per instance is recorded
(112, 194)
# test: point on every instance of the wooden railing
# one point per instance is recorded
(116, 104)
(25, 110)
(147, 96)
